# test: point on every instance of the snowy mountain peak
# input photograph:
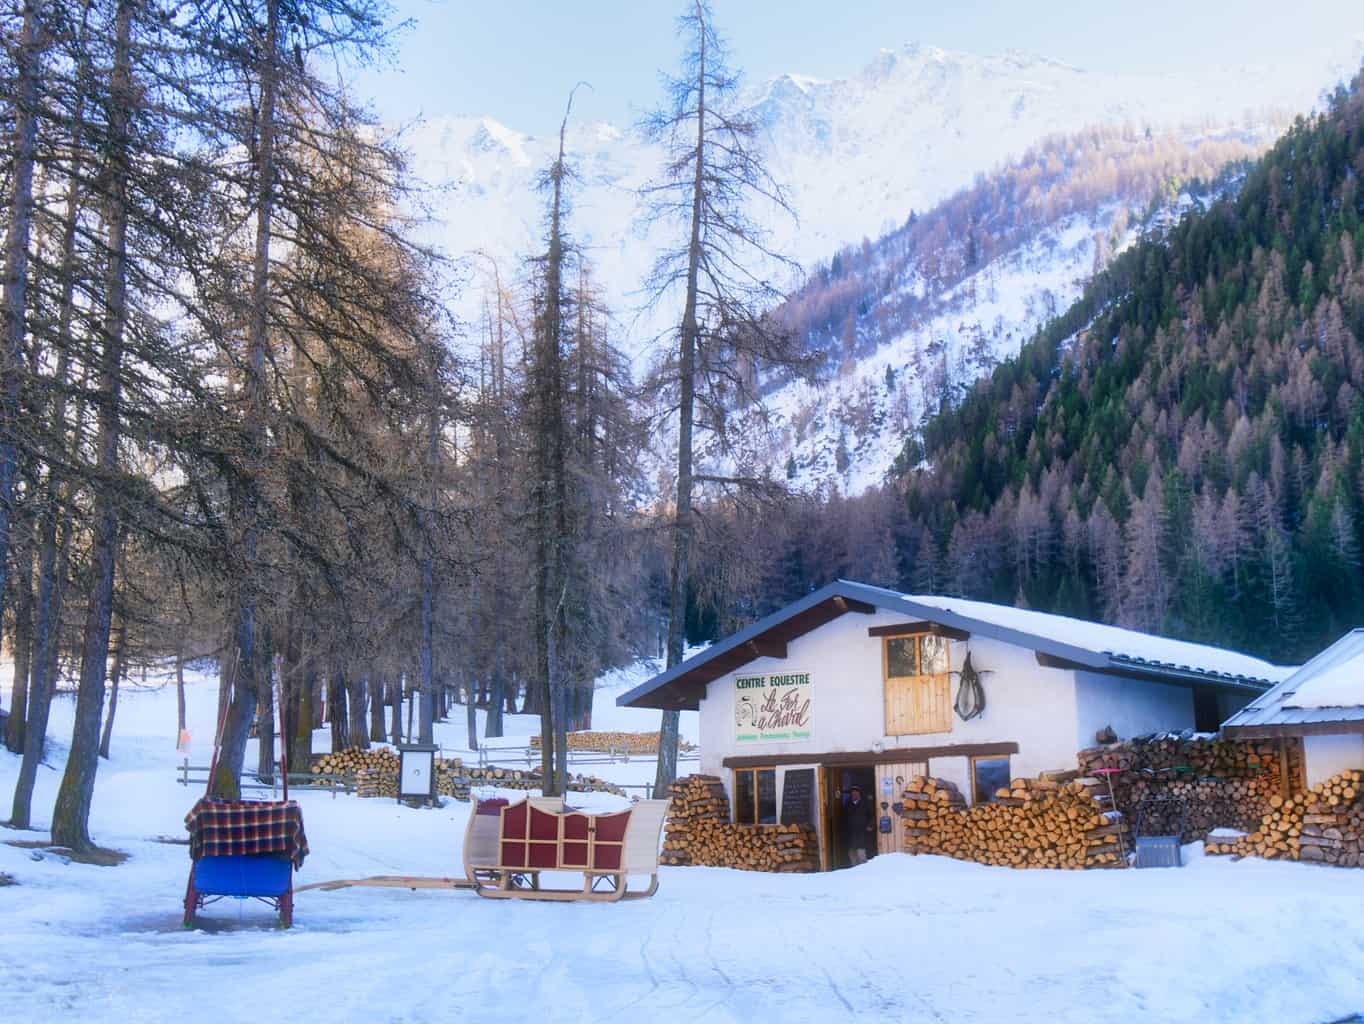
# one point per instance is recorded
(856, 154)
(494, 137)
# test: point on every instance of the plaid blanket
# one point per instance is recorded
(221, 827)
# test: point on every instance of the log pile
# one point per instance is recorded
(700, 832)
(461, 780)
(1033, 823)
(375, 772)
(374, 782)
(349, 762)
(615, 742)
(1221, 783)
(1324, 824)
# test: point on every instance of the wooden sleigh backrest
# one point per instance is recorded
(644, 835)
(480, 835)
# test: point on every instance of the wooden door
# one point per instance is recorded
(890, 787)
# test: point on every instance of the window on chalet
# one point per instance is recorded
(755, 796)
(988, 776)
(918, 685)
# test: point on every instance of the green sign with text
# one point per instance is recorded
(772, 709)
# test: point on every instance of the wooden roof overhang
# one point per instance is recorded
(1267, 731)
(682, 687)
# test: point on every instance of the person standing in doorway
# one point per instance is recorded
(857, 825)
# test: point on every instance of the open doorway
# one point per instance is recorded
(842, 814)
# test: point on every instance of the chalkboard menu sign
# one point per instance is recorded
(798, 797)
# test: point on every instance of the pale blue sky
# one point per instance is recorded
(516, 59)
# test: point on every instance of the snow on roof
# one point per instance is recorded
(1333, 679)
(1126, 644)
(1340, 686)
(1328, 689)
(1076, 642)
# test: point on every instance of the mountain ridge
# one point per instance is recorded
(857, 153)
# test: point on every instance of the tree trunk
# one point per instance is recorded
(301, 745)
(227, 782)
(376, 709)
(241, 711)
(682, 517)
(115, 675)
(179, 691)
(396, 692)
(411, 707)
(359, 735)
(52, 516)
(23, 649)
(14, 315)
(497, 697)
(71, 815)
(471, 716)
(336, 710)
(265, 710)
(226, 668)
(561, 740)
(429, 583)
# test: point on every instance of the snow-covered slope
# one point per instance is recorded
(910, 321)
(845, 432)
(856, 154)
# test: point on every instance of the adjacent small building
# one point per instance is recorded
(1322, 703)
(855, 685)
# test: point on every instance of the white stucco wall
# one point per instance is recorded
(1026, 703)
(957, 770)
(1131, 707)
(1324, 756)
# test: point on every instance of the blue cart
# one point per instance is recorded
(265, 877)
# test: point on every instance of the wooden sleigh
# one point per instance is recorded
(507, 846)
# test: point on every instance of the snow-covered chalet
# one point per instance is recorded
(855, 685)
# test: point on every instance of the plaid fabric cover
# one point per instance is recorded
(220, 828)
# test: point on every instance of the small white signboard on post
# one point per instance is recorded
(416, 771)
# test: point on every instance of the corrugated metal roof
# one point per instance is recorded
(1275, 706)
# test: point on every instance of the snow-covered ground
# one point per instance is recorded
(921, 939)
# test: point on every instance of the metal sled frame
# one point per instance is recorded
(282, 903)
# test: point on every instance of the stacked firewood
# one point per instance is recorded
(615, 742)
(349, 762)
(376, 775)
(694, 798)
(700, 832)
(461, 780)
(1042, 823)
(374, 782)
(1324, 824)
(1221, 783)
